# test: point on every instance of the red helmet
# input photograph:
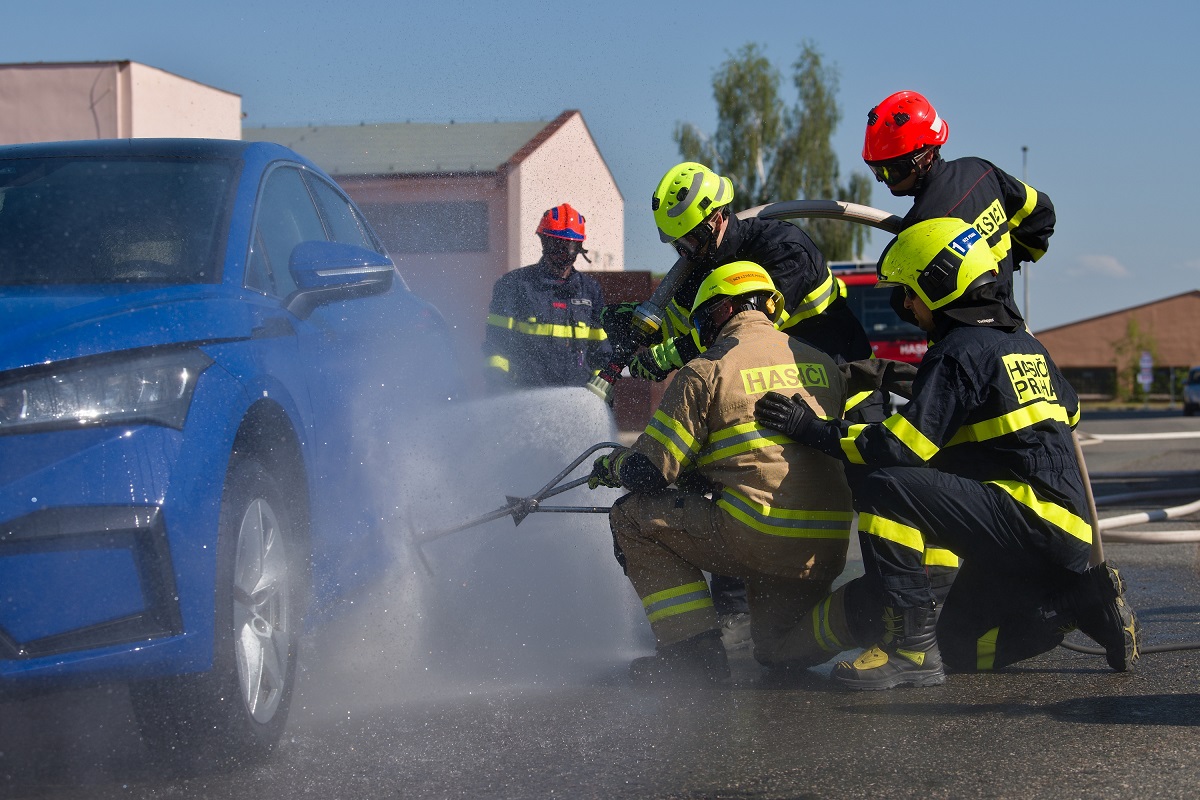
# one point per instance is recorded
(903, 123)
(562, 222)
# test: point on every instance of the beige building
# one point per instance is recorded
(48, 102)
(457, 203)
(1087, 351)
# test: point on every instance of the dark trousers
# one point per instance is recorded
(1012, 561)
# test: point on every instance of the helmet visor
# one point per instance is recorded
(697, 242)
(894, 170)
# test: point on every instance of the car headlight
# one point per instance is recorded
(143, 387)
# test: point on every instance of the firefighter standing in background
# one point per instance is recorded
(902, 146)
(543, 325)
(981, 461)
(779, 516)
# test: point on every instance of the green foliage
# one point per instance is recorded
(772, 152)
(1128, 353)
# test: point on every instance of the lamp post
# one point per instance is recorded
(1025, 271)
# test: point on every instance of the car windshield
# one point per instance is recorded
(111, 221)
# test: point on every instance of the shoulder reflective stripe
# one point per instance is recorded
(677, 321)
(739, 439)
(841, 287)
(849, 447)
(898, 532)
(855, 399)
(677, 600)
(827, 640)
(785, 521)
(579, 330)
(668, 432)
(1025, 210)
(985, 650)
(1073, 419)
(1024, 417)
(814, 302)
(939, 557)
(1051, 512)
(498, 362)
(912, 438)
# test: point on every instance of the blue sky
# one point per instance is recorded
(1103, 94)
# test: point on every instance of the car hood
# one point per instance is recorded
(47, 324)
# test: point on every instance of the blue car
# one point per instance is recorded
(200, 342)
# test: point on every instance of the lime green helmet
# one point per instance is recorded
(744, 282)
(939, 259)
(686, 196)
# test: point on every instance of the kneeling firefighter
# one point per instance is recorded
(779, 515)
(981, 461)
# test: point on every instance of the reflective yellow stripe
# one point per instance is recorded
(813, 303)
(940, 557)
(1051, 512)
(849, 448)
(498, 362)
(826, 639)
(1024, 417)
(579, 330)
(901, 534)
(855, 399)
(677, 322)
(786, 522)
(673, 436)
(912, 438)
(739, 439)
(677, 600)
(1025, 210)
(985, 650)
(1073, 419)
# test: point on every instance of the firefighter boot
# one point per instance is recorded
(908, 654)
(698, 660)
(1097, 602)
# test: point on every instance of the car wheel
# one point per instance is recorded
(239, 708)
(1189, 410)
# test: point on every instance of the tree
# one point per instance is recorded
(1128, 354)
(772, 152)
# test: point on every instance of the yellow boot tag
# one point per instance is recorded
(915, 656)
(871, 659)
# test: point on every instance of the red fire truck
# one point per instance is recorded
(891, 337)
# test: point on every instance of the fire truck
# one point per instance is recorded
(891, 337)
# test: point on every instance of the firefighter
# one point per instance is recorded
(902, 146)
(981, 461)
(786, 538)
(691, 207)
(543, 325)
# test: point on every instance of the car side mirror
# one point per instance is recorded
(326, 272)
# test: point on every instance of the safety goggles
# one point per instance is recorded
(695, 242)
(895, 170)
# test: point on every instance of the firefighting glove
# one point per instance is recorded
(692, 482)
(645, 365)
(606, 470)
(795, 419)
(617, 317)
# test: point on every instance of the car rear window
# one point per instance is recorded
(105, 221)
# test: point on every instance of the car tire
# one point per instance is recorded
(237, 710)
(1189, 410)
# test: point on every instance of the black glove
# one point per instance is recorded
(692, 482)
(617, 317)
(645, 366)
(606, 470)
(794, 419)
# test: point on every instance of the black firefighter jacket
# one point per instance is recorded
(544, 332)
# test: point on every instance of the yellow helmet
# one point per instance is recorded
(738, 279)
(686, 196)
(939, 259)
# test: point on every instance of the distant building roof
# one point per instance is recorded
(411, 148)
